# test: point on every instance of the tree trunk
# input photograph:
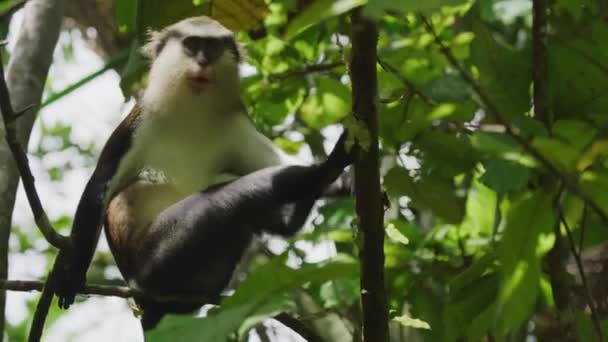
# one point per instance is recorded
(26, 74)
(368, 196)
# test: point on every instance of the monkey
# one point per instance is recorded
(194, 245)
(155, 186)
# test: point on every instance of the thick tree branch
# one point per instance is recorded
(368, 196)
(570, 183)
(9, 117)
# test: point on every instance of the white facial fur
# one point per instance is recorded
(169, 87)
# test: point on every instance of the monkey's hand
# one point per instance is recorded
(68, 280)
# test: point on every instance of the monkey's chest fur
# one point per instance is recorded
(189, 150)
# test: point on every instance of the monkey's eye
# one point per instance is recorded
(191, 45)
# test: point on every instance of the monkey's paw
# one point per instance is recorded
(67, 280)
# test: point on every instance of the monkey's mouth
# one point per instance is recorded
(199, 79)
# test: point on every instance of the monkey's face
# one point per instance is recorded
(197, 62)
(196, 57)
(210, 60)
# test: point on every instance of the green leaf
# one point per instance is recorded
(561, 154)
(595, 184)
(470, 303)
(318, 11)
(377, 7)
(577, 68)
(504, 72)
(447, 88)
(340, 292)
(218, 325)
(503, 146)
(126, 11)
(264, 294)
(527, 237)
(435, 194)
(577, 133)
(330, 103)
(274, 277)
(471, 274)
(410, 322)
(445, 154)
(504, 176)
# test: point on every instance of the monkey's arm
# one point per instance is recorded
(88, 218)
(252, 151)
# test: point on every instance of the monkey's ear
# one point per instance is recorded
(238, 49)
(154, 44)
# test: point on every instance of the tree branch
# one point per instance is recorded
(101, 290)
(595, 318)
(590, 59)
(26, 74)
(9, 116)
(411, 87)
(315, 68)
(368, 196)
(298, 326)
(540, 64)
(126, 292)
(492, 109)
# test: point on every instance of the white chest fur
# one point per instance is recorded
(190, 148)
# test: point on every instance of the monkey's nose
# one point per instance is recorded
(201, 60)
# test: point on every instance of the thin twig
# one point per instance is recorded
(601, 67)
(115, 62)
(311, 69)
(492, 109)
(8, 115)
(595, 318)
(411, 87)
(581, 241)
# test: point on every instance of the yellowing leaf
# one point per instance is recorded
(239, 15)
(394, 234)
(318, 11)
(415, 323)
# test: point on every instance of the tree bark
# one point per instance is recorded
(367, 180)
(26, 74)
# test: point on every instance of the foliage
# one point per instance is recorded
(474, 214)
